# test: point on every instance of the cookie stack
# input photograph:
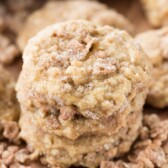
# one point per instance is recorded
(81, 91)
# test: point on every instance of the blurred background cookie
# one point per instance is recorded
(58, 11)
(154, 43)
(156, 11)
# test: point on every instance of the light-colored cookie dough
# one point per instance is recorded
(57, 11)
(155, 44)
(9, 108)
(156, 11)
(79, 80)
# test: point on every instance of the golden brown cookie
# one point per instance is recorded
(155, 44)
(58, 11)
(81, 80)
(156, 11)
(88, 150)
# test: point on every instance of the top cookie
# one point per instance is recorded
(81, 70)
(157, 11)
(57, 11)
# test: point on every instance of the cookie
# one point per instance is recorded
(156, 11)
(88, 150)
(58, 11)
(14, 152)
(154, 43)
(80, 79)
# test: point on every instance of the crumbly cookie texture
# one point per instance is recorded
(58, 11)
(82, 80)
(88, 150)
(9, 108)
(151, 148)
(154, 43)
(156, 11)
